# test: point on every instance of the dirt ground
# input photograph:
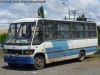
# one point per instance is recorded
(69, 67)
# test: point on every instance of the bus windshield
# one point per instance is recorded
(20, 33)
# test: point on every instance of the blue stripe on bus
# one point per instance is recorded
(57, 46)
(55, 55)
(91, 49)
(87, 50)
(18, 60)
(69, 52)
(75, 51)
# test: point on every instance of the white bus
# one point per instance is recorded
(40, 41)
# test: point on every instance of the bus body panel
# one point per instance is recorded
(92, 42)
(57, 48)
(53, 50)
(63, 51)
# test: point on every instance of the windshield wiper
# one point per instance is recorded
(11, 40)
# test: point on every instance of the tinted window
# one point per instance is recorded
(77, 27)
(78, 34)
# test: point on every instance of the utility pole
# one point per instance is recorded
(74, 12)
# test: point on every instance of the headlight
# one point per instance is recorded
(5, 51)
(28, 52)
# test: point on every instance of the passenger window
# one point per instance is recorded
(78, 34)
(93, 27)
(48, 28)
(88, 27)
(78, 27)
(48, 33)
(67, 34)
(66, 26)
(90, 30)
(58, 35)
(88, 34)
(91, 34)
(59, 26)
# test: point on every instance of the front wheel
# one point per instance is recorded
(38, 63)
(81, 56)
(12, 65)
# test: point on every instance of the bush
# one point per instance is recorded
(2, 38)
(99, 37)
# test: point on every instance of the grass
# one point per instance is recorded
(1, 54)
(94, 56)
(97, 54)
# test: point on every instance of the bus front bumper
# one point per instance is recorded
(18, 60)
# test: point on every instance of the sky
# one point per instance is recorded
(52, 8)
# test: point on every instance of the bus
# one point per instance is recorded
(40, 41)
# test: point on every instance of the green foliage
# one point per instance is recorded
(99, 37)
(98, 28)
(38, 12)
(93, 57)
(65, 18)
(2, 38)
(1, 54)
(41, 12)
(83, 16)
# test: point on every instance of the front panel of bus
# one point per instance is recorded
(20, 45)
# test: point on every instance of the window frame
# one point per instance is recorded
(70, 30)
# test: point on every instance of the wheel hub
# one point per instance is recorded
(39, 62)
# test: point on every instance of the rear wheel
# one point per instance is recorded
(81, 56)
(38, 63)
(12, 65)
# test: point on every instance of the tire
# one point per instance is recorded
(38, 63)
(12, 65)
(81, 56)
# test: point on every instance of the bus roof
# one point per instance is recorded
(36, 19)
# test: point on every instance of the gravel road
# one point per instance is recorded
(69, 67)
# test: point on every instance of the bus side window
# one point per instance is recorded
(48, 33)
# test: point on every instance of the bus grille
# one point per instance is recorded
(14, 51)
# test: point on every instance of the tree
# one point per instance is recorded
(83, 16)
(38, 11)
(98, 28)
(41, 12)
(2, 38)
(99, 37)
(65, 18)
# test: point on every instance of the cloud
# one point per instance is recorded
(52, 8)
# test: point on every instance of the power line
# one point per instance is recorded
(74, 12)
